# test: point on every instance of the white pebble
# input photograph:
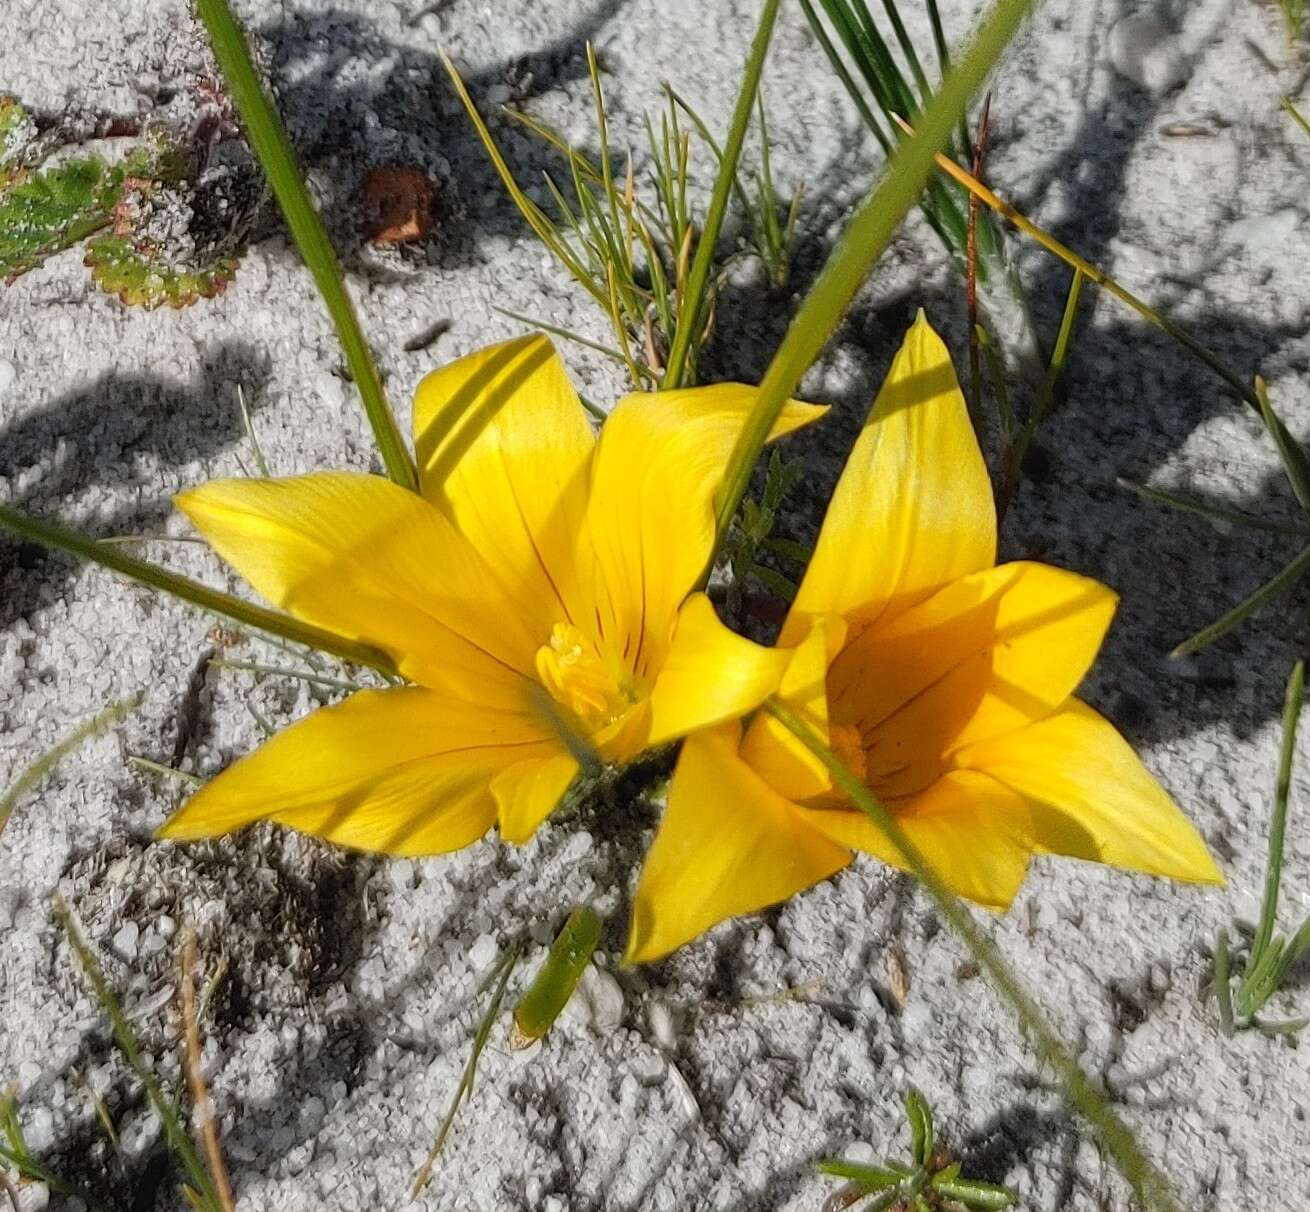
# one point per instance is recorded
(1143, 51)
(660, 1017)
(125, 941)
(483, 952)
(7, 376)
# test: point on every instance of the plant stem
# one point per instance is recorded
(863, 242)
(693, 298)
(1150, 1186)
(49, 534)
(269, 140)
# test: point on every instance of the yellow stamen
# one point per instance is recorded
(571, 669)
(848, 745)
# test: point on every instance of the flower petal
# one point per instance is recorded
(989, 653)
(710, 675)
(371, 561)
(913, 509)
(402, 771)
(1091, 798)
(503, 447)
(727, 845)
(650, 518)
(528, 792)
(972, 830)
(774, 752)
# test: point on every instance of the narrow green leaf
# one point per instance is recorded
(1213, 513)
(1240, 613)
(100, 722)
(919, 1114)
(1289, 449)
(1292, 703)
(552, 987)
(976, 1195)
(871, 1178)
(48, 534)
(269, 140)
(691, 314)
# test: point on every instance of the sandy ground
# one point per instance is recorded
(338, 1035)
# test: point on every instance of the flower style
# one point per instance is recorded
(535, 595)
(943, 681)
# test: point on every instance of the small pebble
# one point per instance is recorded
(483, 952)
(1143, 51)
(7, 376)
(124, 943)
(660, 1017)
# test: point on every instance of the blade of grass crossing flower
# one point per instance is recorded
(866, 236)
(1149, 1185)
(1240, 613)
(1278, 821)
(100, 722)
(690, 313)
(48, 534)
(269, 140)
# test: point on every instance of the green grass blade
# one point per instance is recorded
(863, 242)
(1212, 513)
(1289, 449)
(545, 998)
(691, 312)
(174, 1129)
(48, 534)
(1278, 821)
(1150, 1186)
(1240, 613)
(269, 140)
(98, 723)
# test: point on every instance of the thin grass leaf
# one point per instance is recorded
(48, 534)
(1289, 449)
(314, 679)
(268, 138)
(1220, 514)
(693, 305)
(1240, 613)
(1278, 821)
(550, 990)
(153, 767)
(866, 236)
(175, 1133)
(1149, 1184)
(501, 974)
(29, 779)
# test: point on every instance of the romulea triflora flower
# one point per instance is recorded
(537, 594)
(945, 683)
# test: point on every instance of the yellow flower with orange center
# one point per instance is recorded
(943, 681)
(535, 595)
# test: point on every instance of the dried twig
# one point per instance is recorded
(204, 1111)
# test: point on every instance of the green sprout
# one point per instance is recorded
(930, 1183)
(1270, 956)
(752, 535)
(634, 244)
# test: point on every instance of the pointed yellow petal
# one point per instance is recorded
(1091, 798)
(913, 509)
(651, 515)
(710, 675)
(527, 793)
(972, 830)
(989, 653)
(504, 447)
(371, 561)
(727, 845)
(773, 751)
(403, 771)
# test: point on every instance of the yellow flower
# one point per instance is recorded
(943, 681)
(535, 592)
